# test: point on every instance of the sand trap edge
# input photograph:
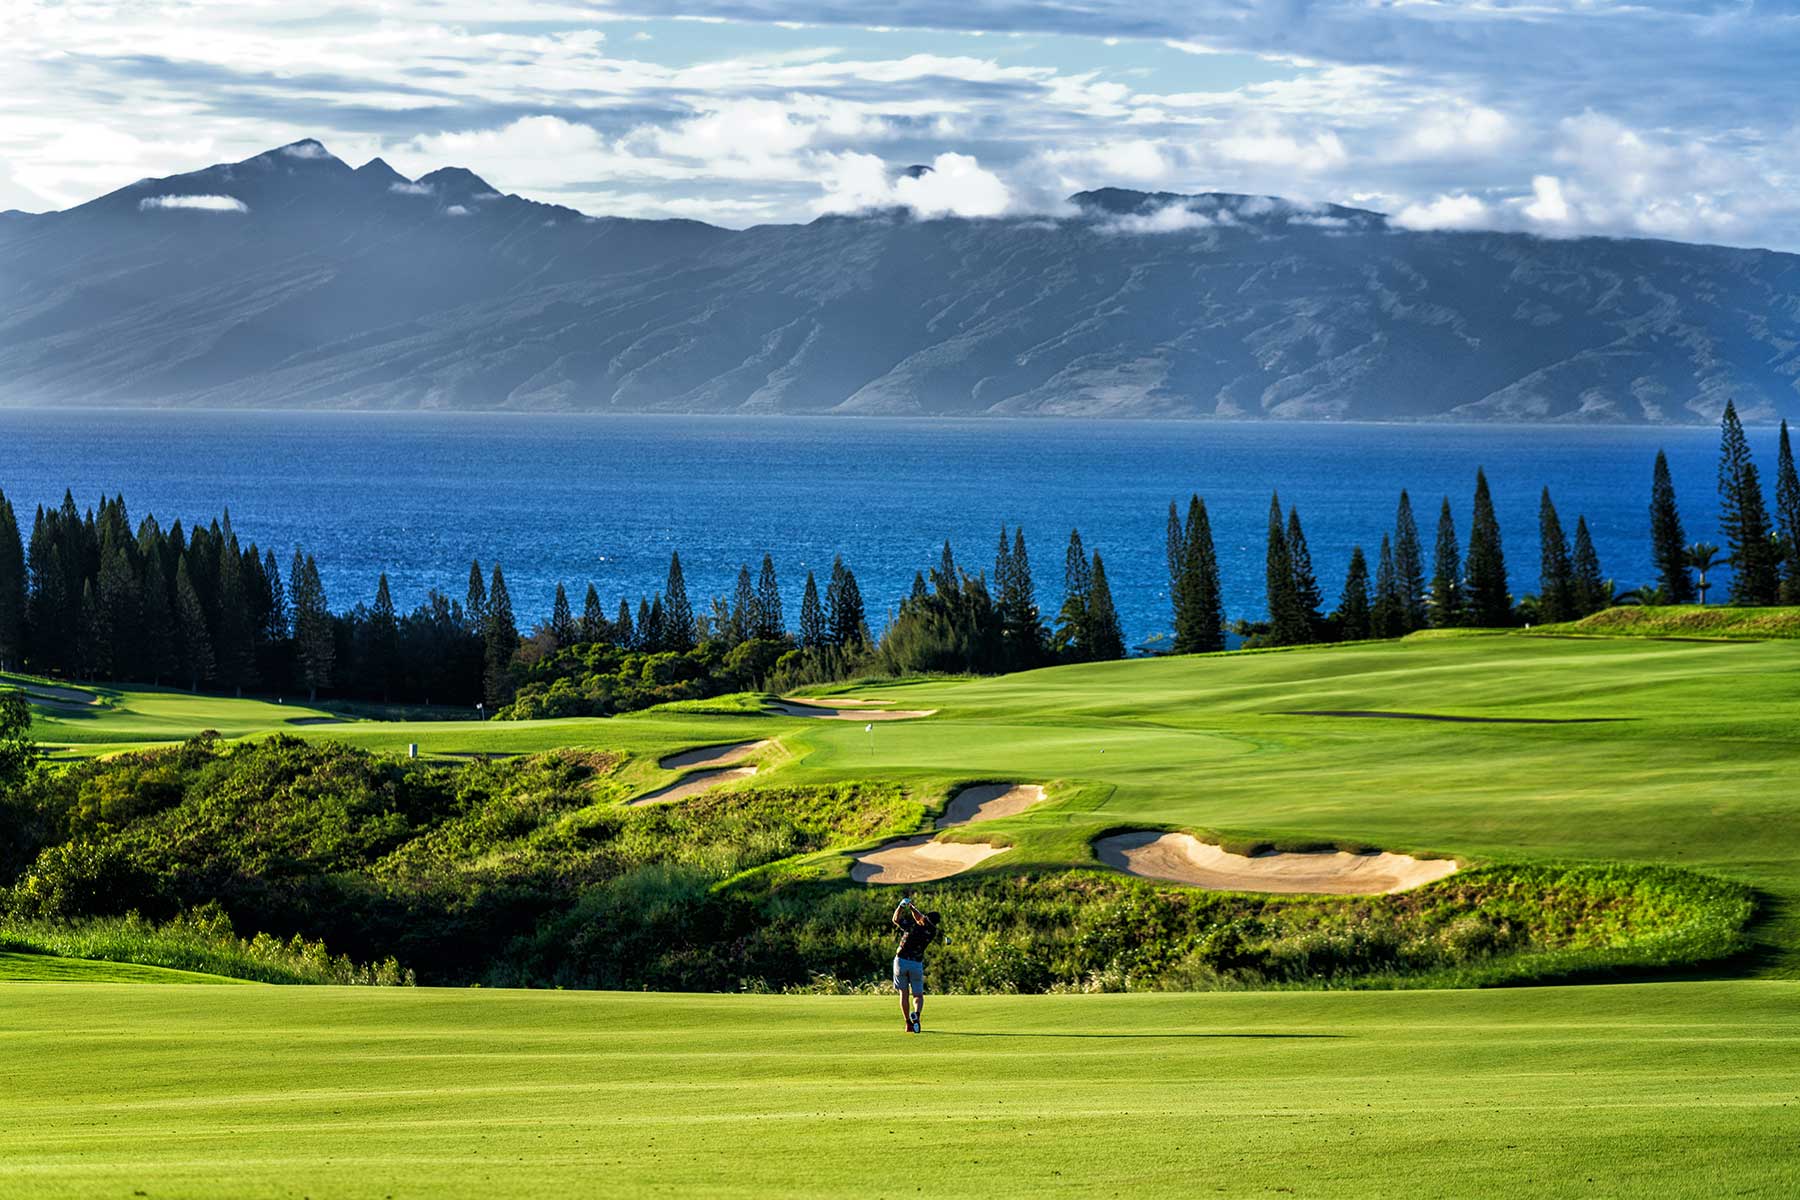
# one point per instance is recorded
(1185, 859)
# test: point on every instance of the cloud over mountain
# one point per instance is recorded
(289, 279)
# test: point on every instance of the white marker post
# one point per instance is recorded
(870, 730)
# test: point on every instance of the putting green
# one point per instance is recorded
(1664, 1090)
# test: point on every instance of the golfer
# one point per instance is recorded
(917, 930)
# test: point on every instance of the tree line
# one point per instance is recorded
(90, 596)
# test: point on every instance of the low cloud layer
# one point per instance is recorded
(195, 203)
(1571, 118)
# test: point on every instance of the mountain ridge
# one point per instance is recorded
(290, 279)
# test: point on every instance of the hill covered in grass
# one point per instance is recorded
(1687, 620)
(1614, 804)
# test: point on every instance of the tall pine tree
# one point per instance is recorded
(475, 603)
(1352, 616)
(315, 646)
(1287, 622)
(562, 619)
(1105, 639)
(1490, 602)
(1787, 518)
(1306, 583)
(1556, 575)
(771, 623)
(190, 619)
(1409, 564)
(1073, 627)
(12, 589)
(1588, 587)
(1743, 518)
(500, 642)
(593, 617)
(624, 632)
(1668, 543)
(678, 613)
(1446, 573)
(1199, 603)
(1387, 615)
(384, 640)
(812, 616)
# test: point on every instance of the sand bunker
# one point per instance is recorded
(837, 712)
(712, 756)
(919, 860)
(50, 693)
(1182, 858)
(693, 785)
(989, 802)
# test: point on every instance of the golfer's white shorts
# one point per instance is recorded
(909, 976)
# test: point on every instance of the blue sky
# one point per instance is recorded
(1561, 117)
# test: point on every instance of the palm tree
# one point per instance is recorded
(1703, 557)
(1643, 594)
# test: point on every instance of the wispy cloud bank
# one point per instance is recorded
(1561, 117)
(196, 203)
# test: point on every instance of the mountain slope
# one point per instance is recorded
(291, 279)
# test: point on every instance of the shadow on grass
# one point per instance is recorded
(1134, 1036)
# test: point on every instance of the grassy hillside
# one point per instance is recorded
(1632, 750)
(17, 967)
(1688, 620)
(1668, 1090)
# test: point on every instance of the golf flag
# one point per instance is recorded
(869, 728)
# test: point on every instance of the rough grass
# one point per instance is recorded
(1687, 620)
(200, 942)
(43, 967)
(1666, 1090)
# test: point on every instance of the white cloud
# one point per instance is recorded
(1446, 212)
(956, 185)
(456, 210)
(411, 189)
(1548, 206)
(197, 203)
(1171, 218)
(305, 150)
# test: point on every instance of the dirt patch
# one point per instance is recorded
(693, 785)
(799, 708)
(989, 802)
(713, 756)
(1415, 716)
(919, 859)
(1183, 858)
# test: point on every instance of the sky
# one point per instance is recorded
(1560, 117)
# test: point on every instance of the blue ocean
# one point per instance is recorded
(606, 498)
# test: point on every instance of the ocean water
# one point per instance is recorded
(606, 498)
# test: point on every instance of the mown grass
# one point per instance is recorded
(1667, 1090)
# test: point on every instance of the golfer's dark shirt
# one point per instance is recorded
(914, 939)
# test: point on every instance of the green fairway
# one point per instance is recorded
(1650, 1090)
